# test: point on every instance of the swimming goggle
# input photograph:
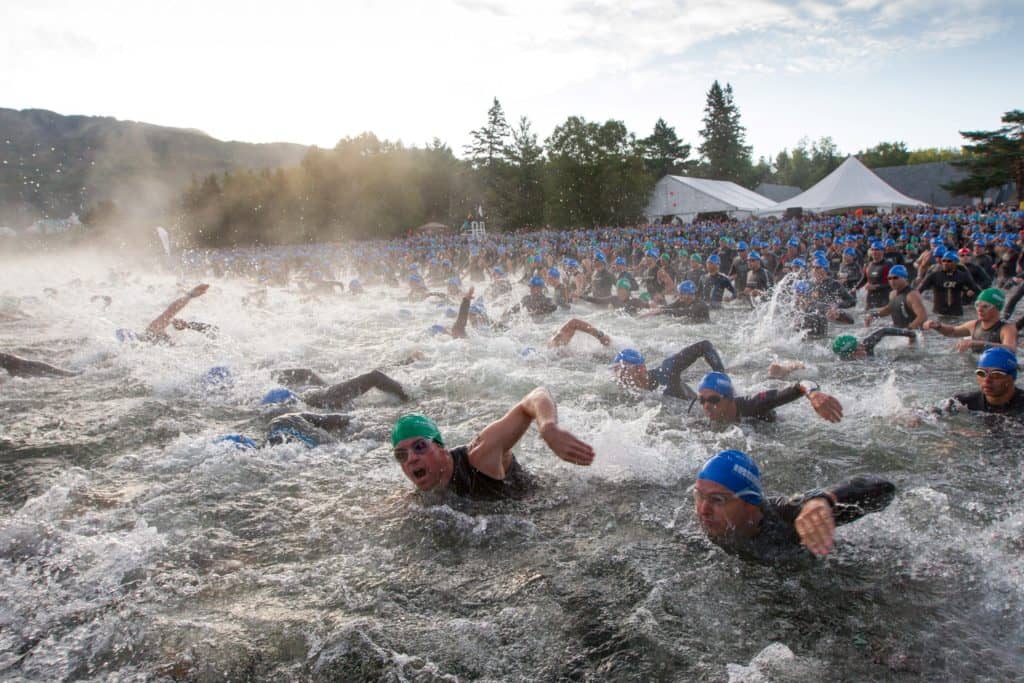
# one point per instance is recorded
(713, 400)
(419, 447)
(994, 374)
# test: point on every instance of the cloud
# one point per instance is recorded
(494, 7)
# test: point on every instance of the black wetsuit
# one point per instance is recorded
(712, 288)
(949, 290)
(739, 273)
(975, 400)
(469, 482)
(312, 429)
(759, 279)
(869, 342)
(631, 305)
(831, 292)
(535, 304)
(991, 335)
(21, 367)
(777, 539)
(695, 311)
(849, 274)
(901, 312)
(875, 274)
(339, 395)
(762, 406)
(601, 283)
(671, 369)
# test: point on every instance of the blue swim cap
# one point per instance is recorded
(125, 335)
(753, 256)
(802, 287)
(355, 285)
(890, 242)
(477, 308)
(239, 440)
(600, 257)
(536, 281)
(876, 245)
(628, 357)
(714, 259)
(527, 352)
(436, 329)
(718, 382)
(687, 287)
(850, 250)
(454, 280)
(741, 246)
(736, 471)
(940, 251)
(798, 263)
(999, 359)
(415, 278)
(499, 270)
(898, 271)
(620, 261)
(217, 376)
(951, 255)
(279, 395)
(450, 312)
(554, 272)
(821, 262)
(793, 242)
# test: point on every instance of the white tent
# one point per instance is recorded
(683, 197)
(851, 186)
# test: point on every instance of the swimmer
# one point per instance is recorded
(686, 306)
(987, 331)
(631, 371)
(997, 393)
(311, 429)
(848, 347)
(535, 303)
(737, 517)
(713, 284)
(720, 404)
(156, 330)
(21, 367)
(905, 304)
(486, 468)
(621, 299)
(334, 396)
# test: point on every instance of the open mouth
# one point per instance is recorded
(419, 473)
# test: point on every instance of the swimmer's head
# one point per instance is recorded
(629, 369)
(719, 383)
(125, 335)
(686, 288)
(413, 425)
(279, 395)
(419, 449)
(217, 376)
(727, 495)
(999, 359)
(845, 345)
(240, 441)
(537, 282)
(736, 471)
(993, 297)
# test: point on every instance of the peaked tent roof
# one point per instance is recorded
(777, 193)
(676, 195)
(852, 185)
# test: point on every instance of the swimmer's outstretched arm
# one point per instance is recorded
(459, 328)
(158, 326)
(821, 511)
(491, 451)
(339, 395)
(20, 367)
(297, 377)
(574, 325)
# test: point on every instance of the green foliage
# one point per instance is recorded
(931, 155)
(595, 174)
(725, 155)
(885, 154)
(664, 153)
(807, 164)
(997, 157)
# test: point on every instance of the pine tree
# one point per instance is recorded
(726, 157)
(997, 158)
(664, 153)
(490, 143)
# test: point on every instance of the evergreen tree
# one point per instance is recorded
(726, 157)
(490, 142)
(885, 154)
(997, 157)
(664, 153)
(526, 205)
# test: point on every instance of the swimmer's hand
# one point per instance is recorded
(566, 446)
(198, 291)
(826, 405)
(816, 526)
(964, 345)
(469, 294)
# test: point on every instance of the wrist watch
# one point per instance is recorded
(808, 387)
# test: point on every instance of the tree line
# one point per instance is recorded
(585, 173)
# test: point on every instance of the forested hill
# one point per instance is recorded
(51, 165)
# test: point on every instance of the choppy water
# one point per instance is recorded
(133, 547)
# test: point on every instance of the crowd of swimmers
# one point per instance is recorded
(682, 274)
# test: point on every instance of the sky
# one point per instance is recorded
(860, 71)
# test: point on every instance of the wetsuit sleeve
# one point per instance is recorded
(292, 377)
(767, 401)
(863, 277)
(339, 395)
(459, 328)
(673, 367)
(871, 341)
(20, 367)
(846, 297)
(926, 283)
(603, 300)
(331, 422)
(856, 497)
(727, 284)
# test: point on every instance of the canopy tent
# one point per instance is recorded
(682, 197)
(851, 186)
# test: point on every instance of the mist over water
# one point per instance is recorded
(133, 546)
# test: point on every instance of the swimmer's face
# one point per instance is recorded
(948, 266)
(994, 383)
(818, 273)
(753, 263)
(716, 407)
(633, 376)
(712, 267)
(720, 512)
(424, 462)
(622, 293)
(687, 298)
(987, 313)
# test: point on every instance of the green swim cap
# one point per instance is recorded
(844, 345)
(623, 283)
(695, 257)
(414, 424)
(645, 296)
(993, 296)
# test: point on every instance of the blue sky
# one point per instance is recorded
(860, 71)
